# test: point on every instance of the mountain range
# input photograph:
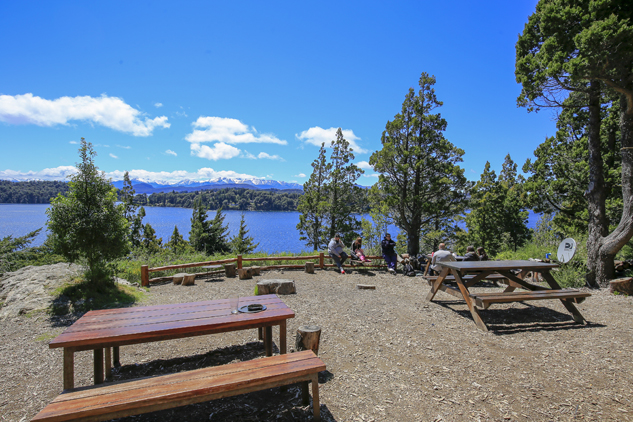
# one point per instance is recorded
(149, 187)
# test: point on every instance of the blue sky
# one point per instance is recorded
(199, 90)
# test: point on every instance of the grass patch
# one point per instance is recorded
(45, 337)
(82, 296)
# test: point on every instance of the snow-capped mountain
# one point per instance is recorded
(147, 186)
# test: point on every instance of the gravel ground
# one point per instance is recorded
(390, 355)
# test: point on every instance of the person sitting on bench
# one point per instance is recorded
(357, 252)
(471, 255)
(441, 255)
(335, 249)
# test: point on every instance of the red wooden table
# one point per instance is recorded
(108, 329)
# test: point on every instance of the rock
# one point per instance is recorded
(276, 286)
(622, 285)
(29, 288)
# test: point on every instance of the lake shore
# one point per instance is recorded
(390, 355)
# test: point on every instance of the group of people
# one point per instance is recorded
(444, 254)
(336, 246)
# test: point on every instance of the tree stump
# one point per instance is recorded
(229, 270)
(308, 337)
(189, 280)
(255, 270)
(245, 273)
(177, 278)
(279, 287)
(365, 286)
(310, 267)
(622, 285)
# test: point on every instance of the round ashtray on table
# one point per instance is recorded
(253, 308)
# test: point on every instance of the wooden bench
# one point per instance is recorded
(491, 277)
(484, 300)
(99, 403)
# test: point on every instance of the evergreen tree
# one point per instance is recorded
(243, 244)
(420, 181)
(176, 242)
(136, 228)
(342, 190)
(199, 235)
(313, 204)
(132, 213)
(86, 223)
(150, 242)
(218, 234)
(514, 211)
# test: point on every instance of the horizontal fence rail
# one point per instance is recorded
(239, 260)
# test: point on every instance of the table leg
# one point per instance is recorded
(260, 333)
(268, 340)
(473, 311)
(575, 313)
(316, 407)
(282, 337)
(437, 284)
(108, 362)
(69, 368)
(98, 366)
(116, 361)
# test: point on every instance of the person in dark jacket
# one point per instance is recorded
(470, 254)
(483, 256)
(389, 253)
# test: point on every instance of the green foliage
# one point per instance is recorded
(31, 192)
(15, 253)
(205, 235)
(85, 223)
(227, 199)
(132, 213)
(83, 295)
(177, 244)
(420, 181)
(150, 242)
(374, 230)
(313, 204)
(242, 244)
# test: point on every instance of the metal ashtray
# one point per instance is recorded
(253, 308)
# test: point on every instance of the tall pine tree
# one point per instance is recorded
(313, 204)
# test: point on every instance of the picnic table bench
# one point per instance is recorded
(108, 329)
(116, 400)
(481, 270)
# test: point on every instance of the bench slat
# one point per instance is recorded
(486, 298)
(173, 390)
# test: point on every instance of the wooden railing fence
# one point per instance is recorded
(239, 260)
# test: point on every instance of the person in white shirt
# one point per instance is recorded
(441, 255)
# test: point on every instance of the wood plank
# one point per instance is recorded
(470, 266)
(473, 311)
(173, 390)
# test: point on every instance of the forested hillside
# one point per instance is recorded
(36, 192)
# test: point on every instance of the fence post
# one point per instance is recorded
(144, 275)
(321, 261)
(239, 262)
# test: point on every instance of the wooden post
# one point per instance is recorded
(321, 261)
(98, 365)
(69, 368)
(229, 270)
(308, 337)
(239, 262)
(108, 363)
(310, 267)
(144, 275)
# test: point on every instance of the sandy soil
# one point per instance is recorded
(391, 356)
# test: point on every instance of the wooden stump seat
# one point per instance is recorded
(117, 400)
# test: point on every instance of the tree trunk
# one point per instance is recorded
(413, 246)
(597, 262)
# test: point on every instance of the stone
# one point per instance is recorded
(622, 285)
(276, 286)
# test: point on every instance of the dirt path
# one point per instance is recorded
(391, 356)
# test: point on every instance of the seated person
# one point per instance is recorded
(483, 256)
(441, 255)
(357, 252)
(470, 254)
(335, 249)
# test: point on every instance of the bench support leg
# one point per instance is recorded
(268, 340)
(116, 361)
(473, 311)
(282, 337)
(305, 393)
(575, 313)
(260, 333)
(69, 368)
(316, 407)
(436, 285)
(98, 365)
(108, 362)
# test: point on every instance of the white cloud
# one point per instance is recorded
(61, 173)
(371, 175)
(158, 105)
(317, 135)
(229, 131)
(124, 147)
(248, 155)
(365, 165)
(111, 112)
(114, 156)
(299, 175)
(74, 142)
(264, 155)
(170, 152)
(218, 151)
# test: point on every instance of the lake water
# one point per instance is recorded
(274, 230)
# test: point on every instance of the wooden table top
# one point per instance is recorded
(141, 324)
(497, 265)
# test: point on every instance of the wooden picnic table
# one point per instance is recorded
(108, 329)
(484, 269)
